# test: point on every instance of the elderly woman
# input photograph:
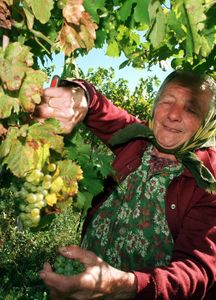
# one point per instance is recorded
(152, 233)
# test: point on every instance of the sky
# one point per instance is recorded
(97, 58)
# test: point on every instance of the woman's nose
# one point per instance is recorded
(175, 112)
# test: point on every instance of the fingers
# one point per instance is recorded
(75, 252)
(55, 92)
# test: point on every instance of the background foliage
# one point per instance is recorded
(31, 31)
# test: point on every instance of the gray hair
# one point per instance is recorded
(192, 80)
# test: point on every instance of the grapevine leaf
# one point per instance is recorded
(92, 7)
(191, 16)
(158, 27)
(9, 2)
(69, 39)
(91, 182)
(72, 12)
(31, 89)
(29, 16)
(47, 133)
(70, 171)
(5, 16)
(88, 34)
(16, 52)
(12, 134)
(17, 149)
(125, 11)
(14, 63)
(84, 201)
(113, 49)
(141, 11)
(7, 104)
(103, 163)
(78, 31)
(41, 9)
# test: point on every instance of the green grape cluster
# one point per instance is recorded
(35, 193)
(68, 267)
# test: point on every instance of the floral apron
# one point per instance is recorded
(130, 231)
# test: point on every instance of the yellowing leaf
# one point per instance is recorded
(7, 104)
(47, 133)
(69, 171)
(51, 199)
(41, 9)
(78, 31)
(31, 89)
(72, 12)
(23, 157)
(14, 63)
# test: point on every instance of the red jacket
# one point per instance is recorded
(190, 212)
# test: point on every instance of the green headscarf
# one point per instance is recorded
(203, 138)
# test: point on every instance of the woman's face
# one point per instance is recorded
(178, 114)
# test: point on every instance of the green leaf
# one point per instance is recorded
(141, 14)
(113, 49)
(92, 184)
(7, 104)
(125, 11)
(92, 7)
(158, 27)
(124, 64)
(84, 201)
(41, 9)
(29, 94)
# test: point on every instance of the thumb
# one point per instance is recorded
(49, 277)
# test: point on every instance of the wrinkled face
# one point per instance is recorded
(178, 114)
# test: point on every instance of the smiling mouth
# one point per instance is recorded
(170, 129)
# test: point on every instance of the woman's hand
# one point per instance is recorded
(99, 281)
(66, 104)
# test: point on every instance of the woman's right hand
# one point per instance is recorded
(66, 104)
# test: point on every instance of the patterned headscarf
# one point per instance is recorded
(203, 138)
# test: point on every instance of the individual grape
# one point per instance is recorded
(46, 184)
(31, 198)
(66, 266)
(22, 207)
(35, 212)
(35, 176)
(39, 197)
(44, 192)
(51, 167)
(35, 220)
(47, 177)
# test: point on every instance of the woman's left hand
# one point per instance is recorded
(98, 281)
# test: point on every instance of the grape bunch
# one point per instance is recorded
(42, 189)
(68, 267)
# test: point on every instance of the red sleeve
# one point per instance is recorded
(103, 117)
